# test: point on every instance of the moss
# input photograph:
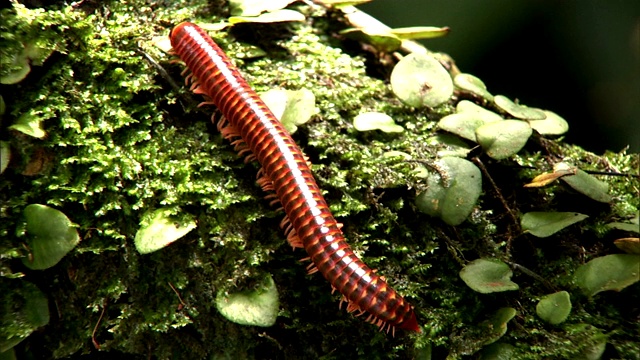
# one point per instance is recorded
(121, 142)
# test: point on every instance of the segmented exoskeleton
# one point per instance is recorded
(251, 127)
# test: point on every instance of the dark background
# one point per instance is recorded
(580, 59)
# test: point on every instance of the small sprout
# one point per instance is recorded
(544, 224)
(518, 111)
(51, 235)
(420, 80)
(472, 85)
(30, 124)
(488, 276)
(420, 32)
(158, 230)
(453, 201)
(588, 185)
(551, 125)
(503, 139)
(380, 39)
(376, 121)
(610, 272)
(291, 107)
(254, 308)
(554, 308)
(559, 170)
(467, 119)
(283, 15)
(256, 7)
(628, 245)
(5, 155)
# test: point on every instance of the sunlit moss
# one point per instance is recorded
(121, 142)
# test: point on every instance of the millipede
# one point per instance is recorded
(254, 131)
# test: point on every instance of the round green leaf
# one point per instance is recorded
(29, 123)
(449, 145)
(504, 138)
(158, 229)
(255, 308)
(488, 276)
(610, 272)
(453, 192)
(543, 224)
(516, 110)
(496, 326)
(291, 107)
(473, 85)
(551, 125)
(5, 155)
(588, 185)
(51, 235)
(497, 351)
(554, 308)
(420, 80)
(26, 308)
(376, 121)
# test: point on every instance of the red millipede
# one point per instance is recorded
(308, 223)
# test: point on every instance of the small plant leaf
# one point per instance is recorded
(29, 123)
(420, 32)
(554, 308)
(609, 272)
(284, 15)
(547, 178)
(376, 121)
(449, 145)
(5, 155)
(254, 308)
(502, 139)
(628, 245)
(588, 185)
(51, 235)
(631, 226)
(420, 80)
(338, 4)
(291, 107)
(496, 326)
(488, 276)
(27, 306)
(516, 110)
(553, 124)
(256, 7)
(158, 229)
(543, 224)
(497, 351)
(383, 40)
(451, 194)
(467, 120)
(472, 85)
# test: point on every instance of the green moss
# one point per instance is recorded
(121, 142)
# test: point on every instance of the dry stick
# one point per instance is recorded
(95, 329)
(165, 75)
(532, 274)
(178, 294)
(479, 163)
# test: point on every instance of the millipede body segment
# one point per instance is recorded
(251, 126)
